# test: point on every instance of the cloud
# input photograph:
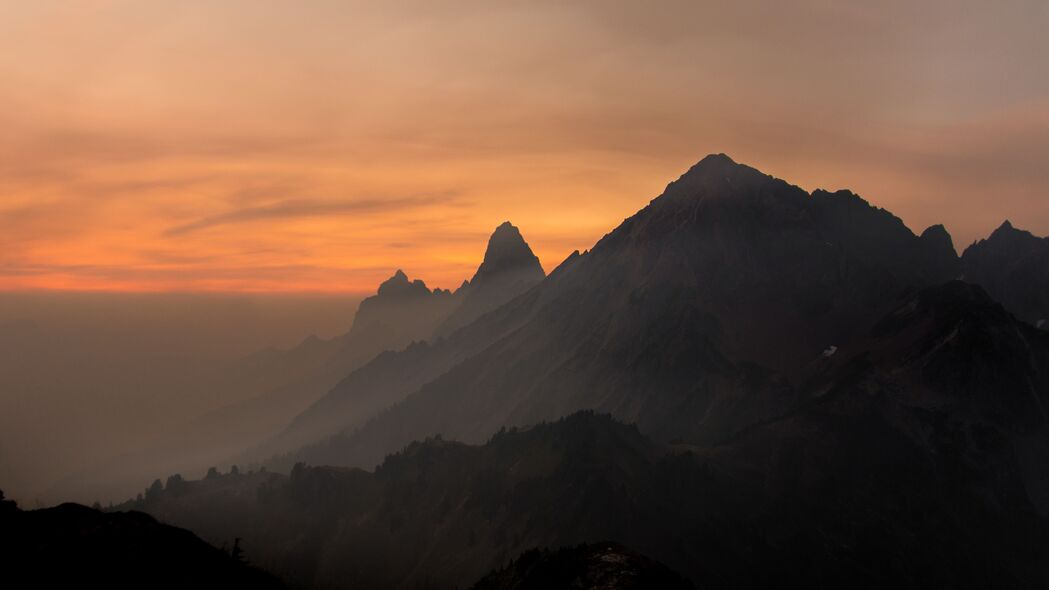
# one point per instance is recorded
(294, 208)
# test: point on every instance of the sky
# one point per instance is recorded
(317, 146)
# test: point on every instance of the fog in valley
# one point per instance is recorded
(87, 378)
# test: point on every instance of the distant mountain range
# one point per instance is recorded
(700, 316)
(790, 388)
(273, 386)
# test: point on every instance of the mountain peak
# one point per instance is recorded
(1008, 232)
(509, 269)
(719, 159)
(507, 250)
(717, 166)
(939, 236)
(399, 284)
(717, 176)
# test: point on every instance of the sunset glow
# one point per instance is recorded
(258, 146)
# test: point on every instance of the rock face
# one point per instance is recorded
(509, 269)
(1013, 266)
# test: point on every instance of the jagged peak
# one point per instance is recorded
(842, 193)
(938, 234)
(1007, 231)
(507, 250)
(936, 231)
(399, 284)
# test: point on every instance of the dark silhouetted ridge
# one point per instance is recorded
(595, 566)
(72, 546)
(1013, 266)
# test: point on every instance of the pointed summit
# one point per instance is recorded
(1009, 234)
(509, 269)
(718, 177)
(507, 251)
(720, 167)
(712, 161)
(936, 238)
(1005, 229)
(1013, 266)
(937, 233)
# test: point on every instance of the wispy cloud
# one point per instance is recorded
(294, 208)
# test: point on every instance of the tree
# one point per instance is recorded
(175, 485)
(5, 504)
(155, 491)
(237, 553)
(234, 470)
(298, 470)
(212, 473)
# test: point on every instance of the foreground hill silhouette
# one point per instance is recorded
(604, 566)
(75, 546)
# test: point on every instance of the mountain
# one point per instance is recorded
(265, 390)
(762, 386)
(75, 546)
(400, 313)
(1013, 265)
(509, 269)
(854, 490)
(600, 566)
(695, 318)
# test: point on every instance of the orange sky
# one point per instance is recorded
(253, 145)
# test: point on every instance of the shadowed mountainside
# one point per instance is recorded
(1013, 266)
(508, 270)
(857, 489)
(695, 318)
